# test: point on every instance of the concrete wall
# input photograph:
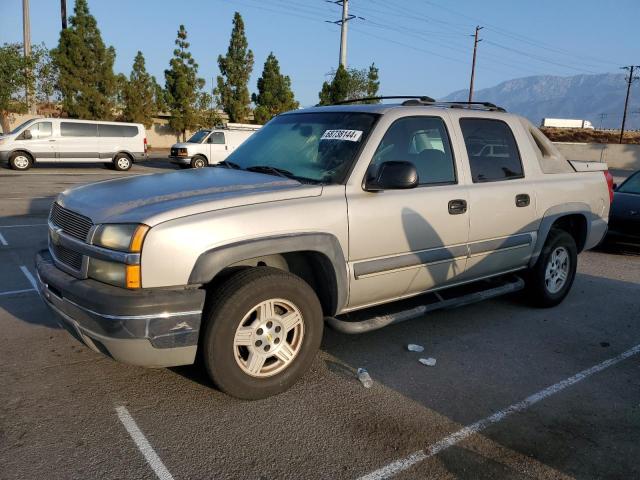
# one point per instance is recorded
(619, 157)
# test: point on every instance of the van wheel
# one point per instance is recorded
(122, 162)
(550, 279)
(20, 161)
(198, 162)
(262, 331)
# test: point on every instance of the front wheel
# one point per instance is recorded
(20, 161)
(198, 162)
(262, 331)
(550, 279)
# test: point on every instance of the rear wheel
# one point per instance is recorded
(199, 162)
(20, 161)
(551, 278)
(263, 329)
(122, 162)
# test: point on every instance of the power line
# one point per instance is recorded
(473, 63)
(343, 22)
(630, 79)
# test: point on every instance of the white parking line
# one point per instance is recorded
(403, 464)
(24, 225)
(15, 292)
(143, 444)
(27, 274)
(3, 241)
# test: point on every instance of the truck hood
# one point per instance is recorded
(156, 198)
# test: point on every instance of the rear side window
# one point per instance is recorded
(492, 150)
(217, 138)
(73, 129)
(117, 130)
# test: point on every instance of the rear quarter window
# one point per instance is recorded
(117, 130)
(492, 150)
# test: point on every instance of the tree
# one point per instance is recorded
(23, 78)
(235, 67)
(351, 84)
(182, 86)
(274, 92)
(86, 79)
(139, 95)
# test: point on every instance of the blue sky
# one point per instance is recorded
(421, 47)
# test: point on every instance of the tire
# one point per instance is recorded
(20, 161)
(238, 328)
(199, 162)
(545, 285)
(122, 162)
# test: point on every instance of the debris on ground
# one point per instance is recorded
(365, 378)
(429, 362)
(412, 347)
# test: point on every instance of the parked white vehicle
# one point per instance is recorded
(566, 123)
(209, 147)
(41, 140)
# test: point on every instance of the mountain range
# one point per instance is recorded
(597, 98)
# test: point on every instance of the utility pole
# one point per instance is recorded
(630, 79)
(343, 28)
(63, 13)
(473, 63)
(26, 40)
(602, 117)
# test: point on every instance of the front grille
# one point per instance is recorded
(66, 256)
(72, 223)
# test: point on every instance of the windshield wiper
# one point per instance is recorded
(228, 164)
(281, 172)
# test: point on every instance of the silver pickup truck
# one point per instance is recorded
(323, 212)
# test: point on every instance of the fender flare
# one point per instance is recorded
(213, 261)
(549, 218)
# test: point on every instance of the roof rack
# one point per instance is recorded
(422, 98)
(470, 105)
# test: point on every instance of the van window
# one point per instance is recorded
(217, 138)
(422, 141)
(73, 129)
(117, 130)
(38, 130)
(492, 150)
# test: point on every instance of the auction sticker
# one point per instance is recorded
(348, 135)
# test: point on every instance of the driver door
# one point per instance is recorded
(404, 242)
(217, 146)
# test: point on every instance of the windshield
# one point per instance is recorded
(317, 147)
(21, 126)
(631, 185)
(199, 136)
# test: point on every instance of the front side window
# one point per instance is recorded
(216, 138)
(199, 136)
(422, 141)
(73, 129)
(315, 147)
(492, 150)
(38, 130)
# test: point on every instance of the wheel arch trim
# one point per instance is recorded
(213, 261)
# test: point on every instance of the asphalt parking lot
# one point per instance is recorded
(516, 392)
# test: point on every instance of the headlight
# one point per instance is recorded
(123, 237)
(113, 273)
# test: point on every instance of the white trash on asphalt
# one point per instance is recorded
(412, 347)
(365, 378)
(429, 362)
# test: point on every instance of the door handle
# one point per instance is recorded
(457, 207)
(522, 200)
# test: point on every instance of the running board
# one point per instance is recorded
(380, 321)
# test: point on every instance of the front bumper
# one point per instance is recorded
(148, 327)
(4, 156)
(180, 160)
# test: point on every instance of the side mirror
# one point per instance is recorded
(26, 135)
(393, 175)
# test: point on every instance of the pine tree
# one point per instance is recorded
(86, 79)
(235, 67)
(274, 92)
(338, 89)
(351, 84)
(182, 86)
(373, 82)
(139, 94)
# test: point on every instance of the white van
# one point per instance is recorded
(42, 140)
(208, 147)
